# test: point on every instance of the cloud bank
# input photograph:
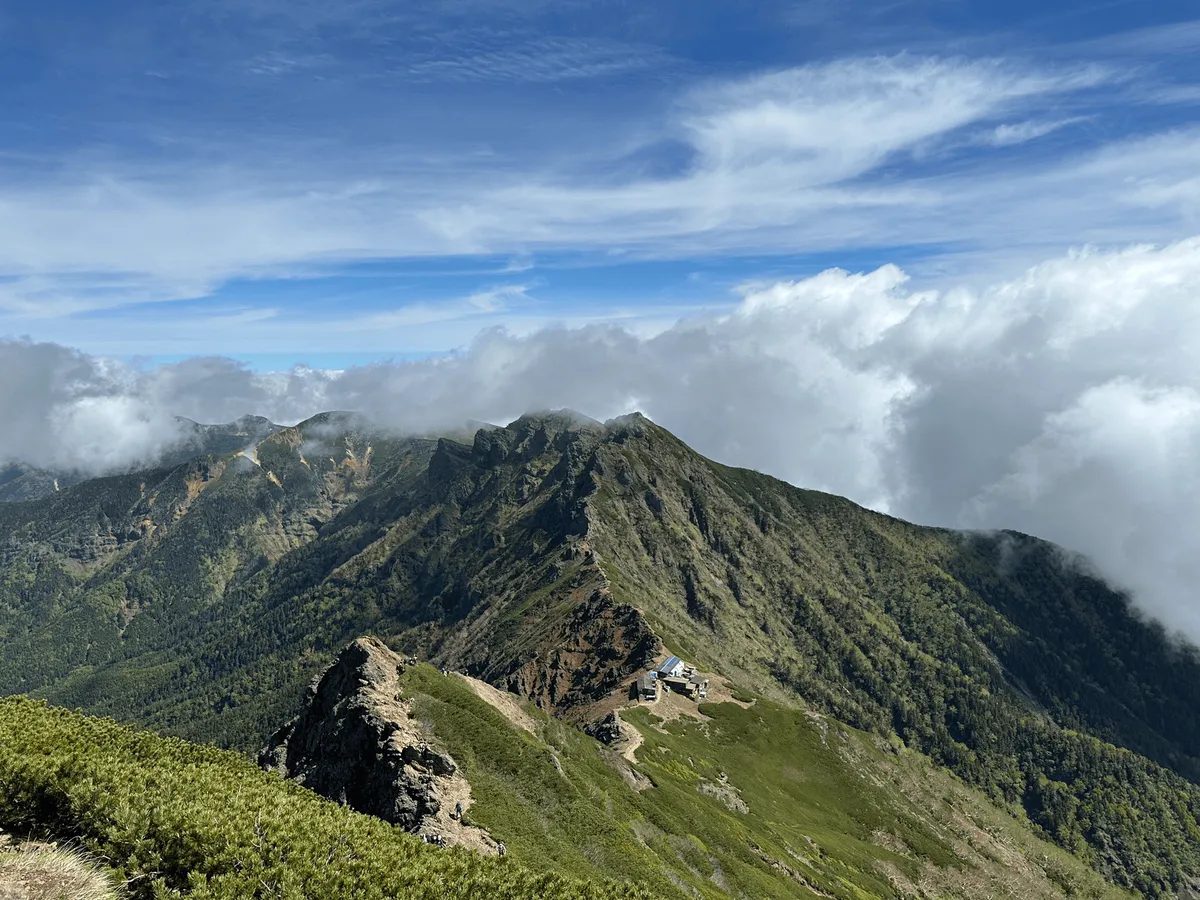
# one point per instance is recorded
(1064, 402)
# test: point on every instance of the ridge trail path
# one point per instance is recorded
(508, 705)
(452, 791)
(631, 740)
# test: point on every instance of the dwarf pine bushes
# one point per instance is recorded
(175, 819)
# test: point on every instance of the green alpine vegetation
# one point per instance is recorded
(815, 808)
(558, 556)
(725, 800)
(174, 819)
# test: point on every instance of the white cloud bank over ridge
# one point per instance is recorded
(1064, 402)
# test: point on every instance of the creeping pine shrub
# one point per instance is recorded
(179, 820)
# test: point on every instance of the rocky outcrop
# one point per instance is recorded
(590, 653)
(355, 743)
(607, 731)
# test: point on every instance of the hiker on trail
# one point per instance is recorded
(501, 848)
(458, 810)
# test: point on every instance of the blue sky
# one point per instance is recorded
(289, 181)
(940, 257)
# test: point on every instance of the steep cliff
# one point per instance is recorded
(356, 743)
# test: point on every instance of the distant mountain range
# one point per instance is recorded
(557, 558)
(19, 481)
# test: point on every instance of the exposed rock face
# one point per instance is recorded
(355, 743)
(607, 730)
(589, 654)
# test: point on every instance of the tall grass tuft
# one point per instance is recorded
(53, 874)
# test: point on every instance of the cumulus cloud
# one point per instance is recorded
(1063, 401)
(62, 409)
(1115, 473)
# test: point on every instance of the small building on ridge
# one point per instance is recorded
(647, 687)
(672, 668)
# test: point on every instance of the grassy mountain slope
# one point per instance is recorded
(175, 819)
(990, 653)
(556, 557)
(763, 802)
(815, 809)
(788, 574)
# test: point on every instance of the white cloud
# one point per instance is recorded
(1064, 401)
(532, 60)
(1174, 93)
(839, 120)
(1156, 40)
(815, 157)
(1009, 135)
(782, 159)
(1114, 474)
(66, 410)
(472, 307)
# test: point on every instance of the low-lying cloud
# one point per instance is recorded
(1064, 402)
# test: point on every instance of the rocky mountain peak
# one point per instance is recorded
(335, 422)
(633, 421)
(366, 668)
(355, 743)
(252, 424)
(555, 421)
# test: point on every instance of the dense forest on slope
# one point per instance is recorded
(556, 556)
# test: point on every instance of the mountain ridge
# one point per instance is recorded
(556, 557)
(20, 480)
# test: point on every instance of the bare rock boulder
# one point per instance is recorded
(355, 743)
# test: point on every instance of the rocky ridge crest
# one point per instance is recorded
(356, 743)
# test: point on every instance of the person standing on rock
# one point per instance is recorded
(458, 810)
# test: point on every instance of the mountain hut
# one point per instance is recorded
(672, 668)
(647, 687)
(678, 684)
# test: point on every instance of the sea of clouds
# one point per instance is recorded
(1064, 402)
